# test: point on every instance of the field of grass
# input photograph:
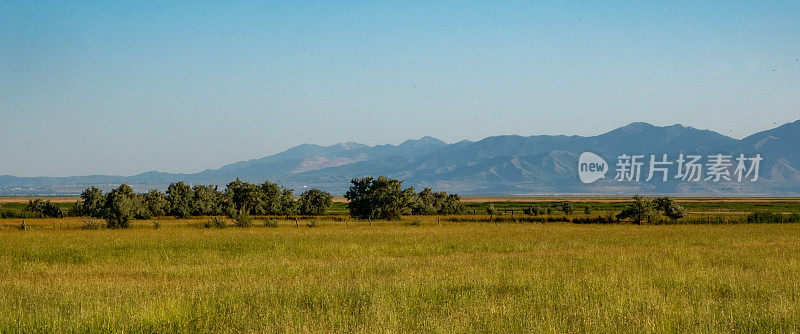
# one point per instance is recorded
(398, 277)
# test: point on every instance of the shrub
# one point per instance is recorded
(764, 217)
(243, 220)
(42, 208)
(215, 222)
(92, 225)
(156, 225)
(533, 210)
(270, 223)
(595, 220)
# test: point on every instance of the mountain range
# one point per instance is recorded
(499, 165)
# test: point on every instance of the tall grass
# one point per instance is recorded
(398, 277)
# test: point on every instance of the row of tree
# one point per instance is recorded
(369, 198)
(384, 198)
(645, 210)
(239, 198)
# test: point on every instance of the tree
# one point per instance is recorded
(206, 200)
(671, 209)
(451, 205)
(91, 203)
(141, 209)
(156, 203)
(287, 204)
(381, 198)
(314, 202)
(491, 210)
(180, 198)
(640, 210)
(120, 207)
(427, 202)
(43, 208)
(566, 207)
(242, 197)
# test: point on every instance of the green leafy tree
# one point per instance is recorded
(314, 202)
(428, 202)
(670, 208)
(288, 205)
(156, 203)
(242, 197)
(566, 207)
(91, 203)
(641, 210)
(271, 199)
(44, 208)
(181, 199)
(141, 211)
(207, 200)
(381, 198)
(120, 208)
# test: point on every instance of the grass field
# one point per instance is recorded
(397, 277)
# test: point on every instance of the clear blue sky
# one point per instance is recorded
(124, 87)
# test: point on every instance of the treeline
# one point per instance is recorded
(121, 205)
(369, 198)
(384, 198)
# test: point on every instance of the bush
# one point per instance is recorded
(92, 225)
(533, 210)
(13, 213)
(156, 225)
(243, 220)
(270, 223)
(215, 222)
(764, 217)
(595, 220)
(42, 208)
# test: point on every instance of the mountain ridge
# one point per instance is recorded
(495, 165)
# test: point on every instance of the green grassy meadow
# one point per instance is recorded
(347, 276)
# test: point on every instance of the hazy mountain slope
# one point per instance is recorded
(506, 164)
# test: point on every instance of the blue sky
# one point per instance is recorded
(125, 87)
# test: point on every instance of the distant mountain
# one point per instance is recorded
(497, 165)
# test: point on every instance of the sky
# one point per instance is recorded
(124, 87)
